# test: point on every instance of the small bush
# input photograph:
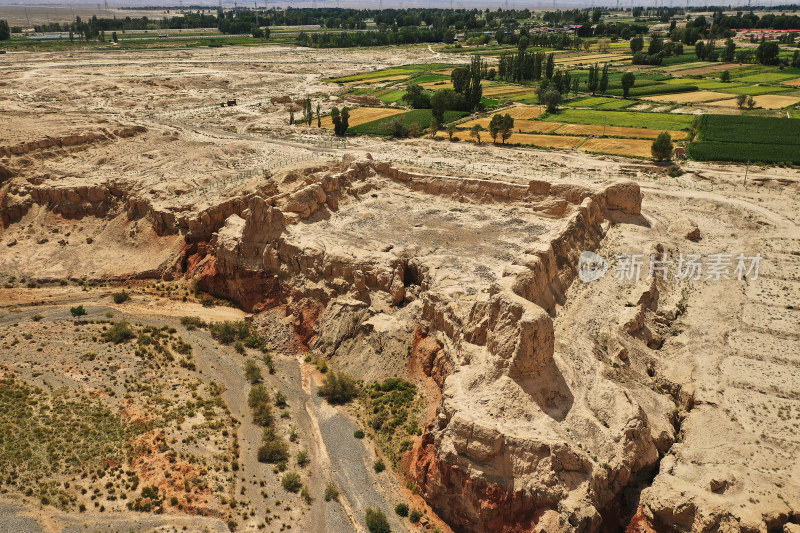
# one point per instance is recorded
(415, 516)
(121, 297)
(401, 509)
(280, 399)
(251, 371)
(379, 466)
(77, 311)
(376, 521)
(258, 395)
(291, 482)
(338, 388)
(359, 434)
(675, 171)
(331, 492)
(118, 333)
(302, 458)
(192, 322)
(37, 317)
(274, 449)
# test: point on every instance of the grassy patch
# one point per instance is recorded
(393, 409)
(46, 435)
(657, 88)
(600, 102)
(755, 90)
(767, 77)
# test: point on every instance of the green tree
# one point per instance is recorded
(475, 132)
(441, 101)
(319, 116)
(461, 79)
(395, 127)
(725, 77)
(741, 99)
(551, 98)
(291, 117)
(603, 80)
(416, 97)
(729, 53)
(495, 125)
(751, 103)
(628, 79)
(594, 78)
(550, 67)
(5, 31)
(767, 53)
(506, 127)
(637, 44)
(451, 129)
(376, 521)
(656, 45)
(662, 147)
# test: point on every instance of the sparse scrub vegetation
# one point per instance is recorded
(338, 388)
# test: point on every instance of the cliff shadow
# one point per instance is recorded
(550, 391)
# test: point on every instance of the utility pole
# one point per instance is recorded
(745, 173)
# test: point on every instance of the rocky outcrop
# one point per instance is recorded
(498, 347)
(69, 140)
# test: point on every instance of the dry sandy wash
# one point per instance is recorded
(554, 405)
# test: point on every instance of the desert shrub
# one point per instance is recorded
(274, 449)
(302, 458)
(359, 434)
(77, 311)
(338, 388)
(379, 466)
(376, 521)
(415, 516)
(401, 509)
(192, 322)
(674, 171)
(280, 399)
(239, 347)
(262, 415)
(258, 395)
(331, 492)
(121, 297)
(229, 331)
(251, 371)
(37, 317)
(291, 482)
(118, 333)
(305, 494)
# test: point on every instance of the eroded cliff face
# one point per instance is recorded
(498, 456)
(381, 269)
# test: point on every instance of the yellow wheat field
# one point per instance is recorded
(376, 80)
(527, 126)
(523, 111)
(766, 101)
(685, 98)
(505, 89)
(361, 115)
(591, 129)
(792, 83)
(627, 147)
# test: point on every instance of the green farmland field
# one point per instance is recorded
(747, 138)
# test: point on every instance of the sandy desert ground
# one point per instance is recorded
(556, 405)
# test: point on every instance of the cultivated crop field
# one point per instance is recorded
(615, 131)
(747, 138)
(362, 115)
(527, 126)
(626, 147)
